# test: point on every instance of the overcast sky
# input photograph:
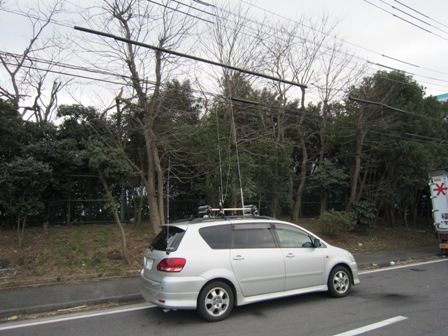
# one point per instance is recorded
(372, 31)
(367, 27)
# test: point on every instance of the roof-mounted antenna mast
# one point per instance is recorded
(221, 192)
(237, 154)
(168, 205)
(168, 192)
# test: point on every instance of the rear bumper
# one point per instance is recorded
(172, 293)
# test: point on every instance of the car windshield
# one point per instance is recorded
(168, 239)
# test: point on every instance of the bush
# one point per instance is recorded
(334, 223)
(364, 215)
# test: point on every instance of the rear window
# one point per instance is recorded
(217, 237)
(168, 239)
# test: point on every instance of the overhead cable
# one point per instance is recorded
(195, 58)
(404, 5)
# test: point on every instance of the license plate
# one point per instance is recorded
(149, 263)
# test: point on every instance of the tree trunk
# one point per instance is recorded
(114, 207)
(160, 189)
(323, 202)
(360, 136)
(138, 207)
(124, 248)
(295, 213)
(21, 229)
(151, 188)
(298, 202)
(153, 175)
(46, 223)
(322, 134)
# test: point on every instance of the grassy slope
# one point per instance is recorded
(93, 251)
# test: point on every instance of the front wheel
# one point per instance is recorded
(339, 282)
(215, 301)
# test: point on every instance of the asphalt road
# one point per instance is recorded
(409, 300)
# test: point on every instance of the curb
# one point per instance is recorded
(397, 262)
(45, 283)
(121, 299)
(137, 298)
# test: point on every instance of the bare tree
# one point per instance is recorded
(368, 117)
(314, 39)
(162, 27)
(279, 43)
(336, 71)
(28, 74)
(294, 51)
(231, 41)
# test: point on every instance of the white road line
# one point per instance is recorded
(373, 326)
(63, 318)
(56, 319)
(391, 268)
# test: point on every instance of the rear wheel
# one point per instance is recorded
(339, 282)
(215, 301)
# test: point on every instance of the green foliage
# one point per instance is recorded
(112, 166)
(180, 106)
(335, 223)
(198, 144)
(23, 182)
(330, 179)
(12, 132)
(111, 162)
(272, 167)
(364, 213)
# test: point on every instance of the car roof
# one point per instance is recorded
(207, 221)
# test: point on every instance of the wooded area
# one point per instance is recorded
(167, 144)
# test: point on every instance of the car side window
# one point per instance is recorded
(252, 236)
(217, 237)
(291, 237)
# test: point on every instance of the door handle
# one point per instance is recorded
(238, 257)
(290, 255)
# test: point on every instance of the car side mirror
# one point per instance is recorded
(317, 243)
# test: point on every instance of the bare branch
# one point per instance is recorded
(25, 83)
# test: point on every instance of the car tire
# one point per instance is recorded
(215, 301)
(339, 282)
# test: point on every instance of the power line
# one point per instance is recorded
(71, 67)
(195, 58)
(405, 20)
(201, 2)
(179, 11)
(359, 100)
(404, 5)
(413, 16)
(195, 8)
(370, 102)
(410, 73)
(332, 36)
(414, 65)
(205, 4)
(91, 78)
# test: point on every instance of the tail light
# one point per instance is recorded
(171, 265)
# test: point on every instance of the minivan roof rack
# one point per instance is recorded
(206, 211)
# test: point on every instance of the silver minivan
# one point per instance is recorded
(212, 265)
